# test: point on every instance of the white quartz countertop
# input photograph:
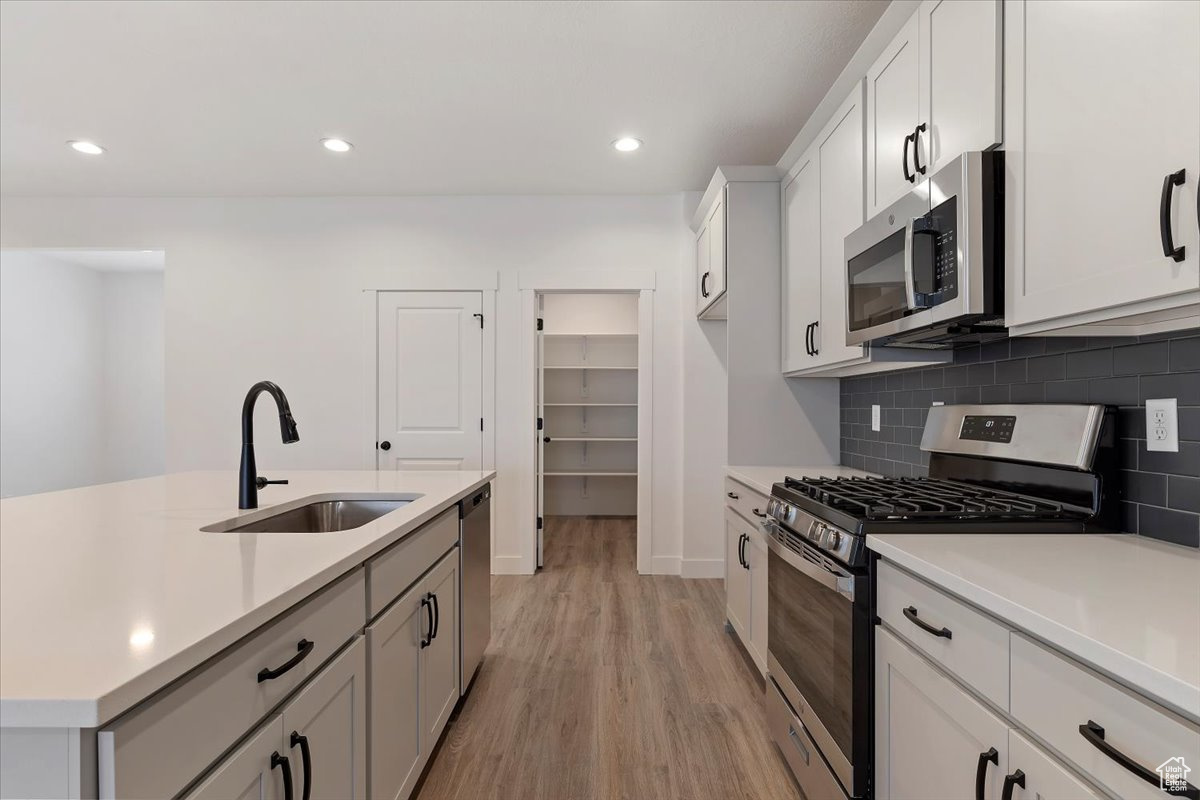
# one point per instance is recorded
(107, 593)
(761, 478)
(1127, 605)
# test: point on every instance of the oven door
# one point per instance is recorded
(817, 653)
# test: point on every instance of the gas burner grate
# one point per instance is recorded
(926, 498)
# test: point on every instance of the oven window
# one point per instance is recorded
(875, 284)
(810, 632)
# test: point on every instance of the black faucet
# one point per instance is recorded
(248, 481)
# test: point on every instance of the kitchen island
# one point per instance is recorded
(114, 600)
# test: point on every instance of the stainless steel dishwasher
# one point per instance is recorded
(475, 582)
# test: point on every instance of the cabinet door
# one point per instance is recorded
(395, 654)
(960, 79)
(326, 723)
(703, 273)
(247, 773)
(893, 112)
(929, 733)
(1101, 105)
(840, 153)
(439, 678)
(737, 577)
(716, 248)
(801, 262)
(1045, 778)
(756, 555)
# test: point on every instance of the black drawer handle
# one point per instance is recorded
(731, 495)
(1094, 734)
(757, 513)
(1164, 215)
(704, 285)
(303, 648)
(427, 639)
(1015, 779)
(981, 771)
(911, 613)
(437, 618)
(286, 765)
(306, 759)
(741, 541)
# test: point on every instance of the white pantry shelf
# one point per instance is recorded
(590, 335)
(597, 474)
(590, 405)
(587, 366)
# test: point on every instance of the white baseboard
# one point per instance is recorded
(664, 565)
(510, 565)
(702, 568)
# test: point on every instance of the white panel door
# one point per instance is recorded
(250, 772)
(930, 735)
(327, 723)
(430, 374)
(893, 112)
(540, 446)
(1045, 778)
(841, 170)
(1105, 104)
(801, 262)
(960, 79)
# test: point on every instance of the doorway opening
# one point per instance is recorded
(588, 481)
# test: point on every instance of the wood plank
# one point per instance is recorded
(603, 683)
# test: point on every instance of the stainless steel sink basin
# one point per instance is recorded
(317, 516)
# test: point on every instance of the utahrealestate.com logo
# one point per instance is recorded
(1172, 775)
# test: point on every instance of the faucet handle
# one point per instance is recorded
(263, 482)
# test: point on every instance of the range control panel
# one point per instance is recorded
(988, 428)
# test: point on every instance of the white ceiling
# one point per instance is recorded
(231, 98)
(110, 260)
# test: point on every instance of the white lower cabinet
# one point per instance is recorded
(414, 680)
(1037, 776)
(746, 585)
(931, 737)
(319, 738)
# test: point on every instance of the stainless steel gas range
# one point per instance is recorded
(992, 469)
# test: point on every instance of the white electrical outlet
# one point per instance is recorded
(1162, 425)
(939, 402)
(874, 418)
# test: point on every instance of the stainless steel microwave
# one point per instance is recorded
(928, 271)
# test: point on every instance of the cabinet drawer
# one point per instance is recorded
(975, 647)
(398, 567)
(744, 500)
(156, 749)
(1053, 697)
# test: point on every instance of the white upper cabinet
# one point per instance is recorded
(801, 263)
(710, 262)
(1102, 108)
(933, 94)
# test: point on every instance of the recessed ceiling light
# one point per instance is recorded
(627, 144)
(90, 148)
(337, 145)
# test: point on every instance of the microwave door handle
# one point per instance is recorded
(910, 289)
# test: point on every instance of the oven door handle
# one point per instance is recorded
(842, 584)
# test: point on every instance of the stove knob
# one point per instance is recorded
(833, 539)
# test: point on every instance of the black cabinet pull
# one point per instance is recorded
(303, 648)
(1017, 778)
(437, 617)
(1094, 733)
(1164, 215)
(916, 141)
(704, 285)
(808, 339)
(283, 763)
(757, 513)
(908, 176)
(816, 350)
(911, 613)
(981, 770)
(427, 607)
(741, 541)
(731, 495)
(306, 761)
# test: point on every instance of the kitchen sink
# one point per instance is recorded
(328, 515)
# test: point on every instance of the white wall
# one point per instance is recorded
(590, 313)
(271, 288)
(81, 374)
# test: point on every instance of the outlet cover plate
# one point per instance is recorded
(1162, 425)
(874, 418)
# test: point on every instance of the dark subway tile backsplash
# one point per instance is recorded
(1160, 491)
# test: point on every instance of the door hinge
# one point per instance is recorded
(540, 323)
(480, 318)
(539, 423)
(539, 523)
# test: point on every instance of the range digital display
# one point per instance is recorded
(988, 428)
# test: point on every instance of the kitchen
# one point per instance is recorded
(352, 278)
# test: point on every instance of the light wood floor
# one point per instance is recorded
(600, 683)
